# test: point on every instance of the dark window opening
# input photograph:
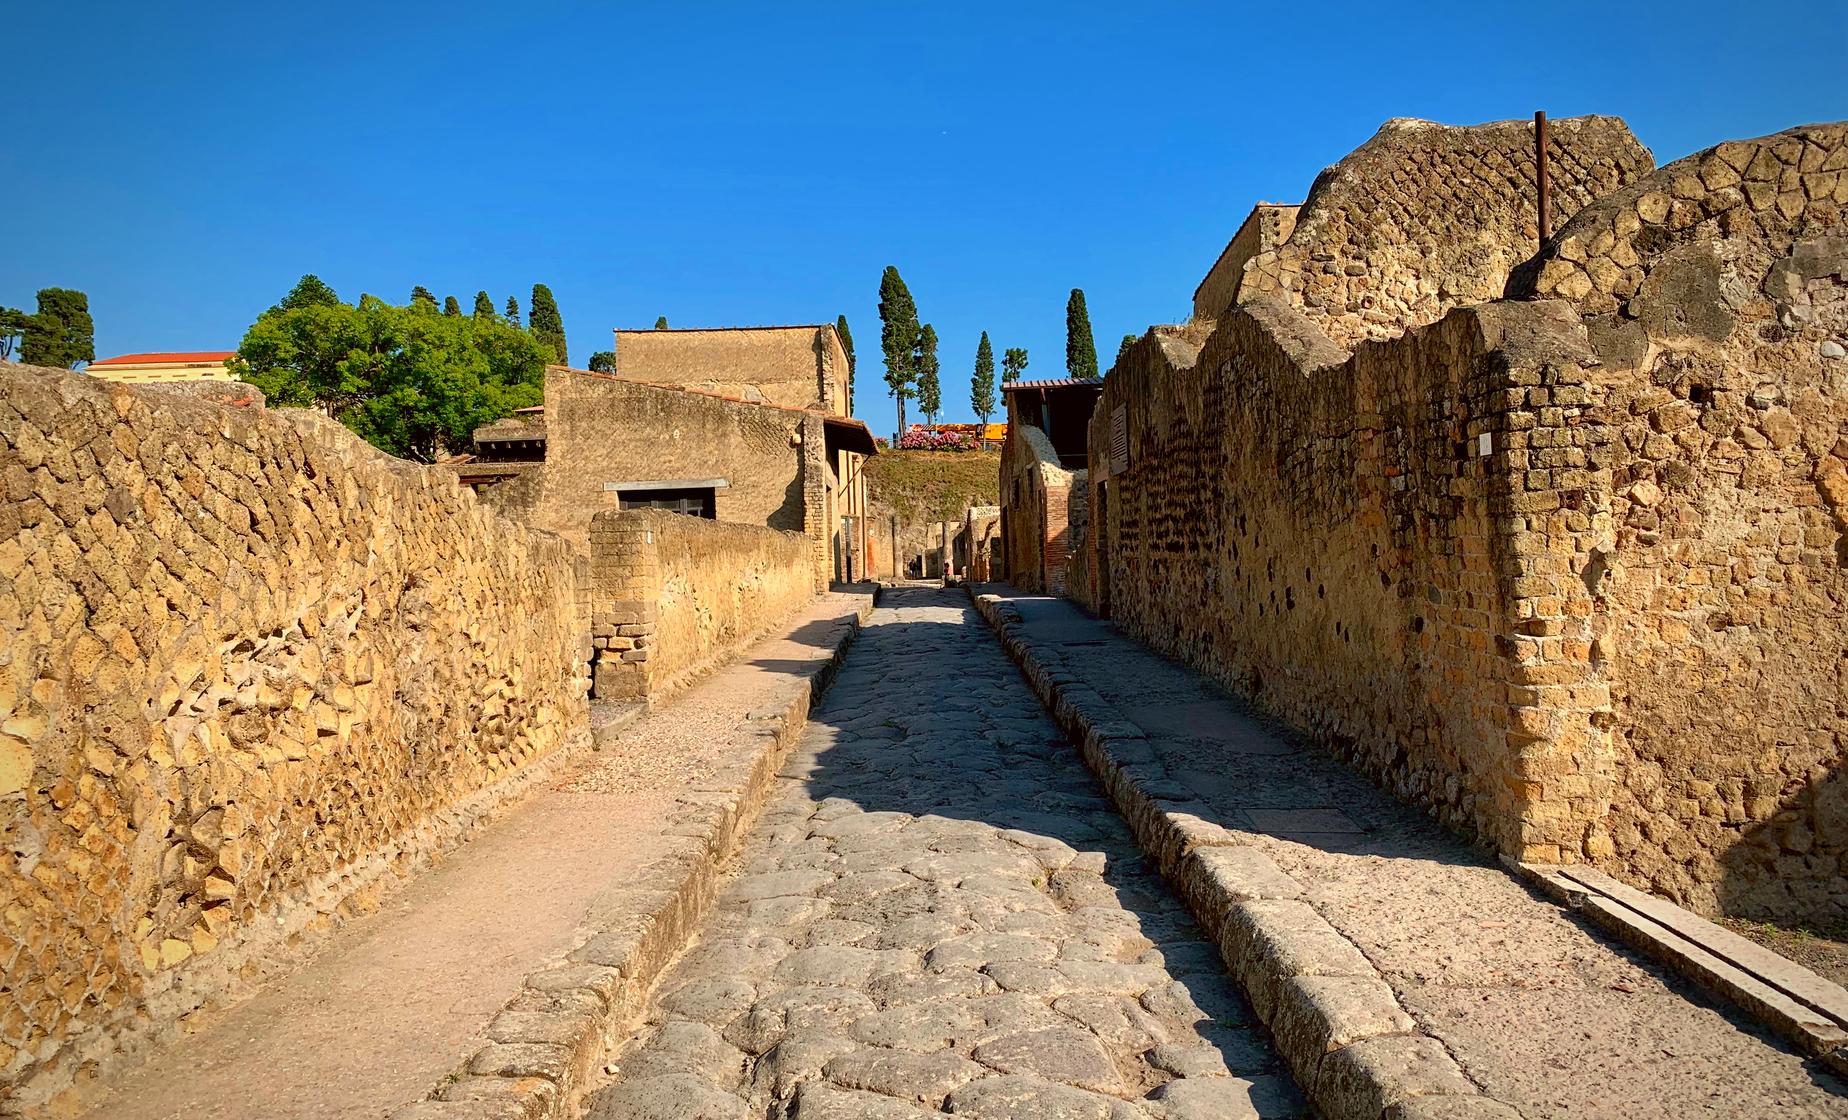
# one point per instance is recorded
(695, 502)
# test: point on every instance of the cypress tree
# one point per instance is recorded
(1128, 341)
(513, 310)
(309, 291)
(661, 323)
(1080, 351)
(840, 328)
(62, 333)
(545, 322)
(421, 297)
(930, 393)
(452, 307)
(484, 307)
(898, 338)
(1013, 364)
(982, 385)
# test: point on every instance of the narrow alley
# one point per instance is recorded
(940, 912)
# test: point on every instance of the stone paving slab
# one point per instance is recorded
(1402, 974)
(941, 912)
(604, 870)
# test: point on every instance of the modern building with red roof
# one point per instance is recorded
(191, 365)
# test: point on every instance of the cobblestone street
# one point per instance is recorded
(939, 912)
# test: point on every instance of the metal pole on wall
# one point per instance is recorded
(1540, 176)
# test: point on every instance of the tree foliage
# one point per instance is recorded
(1080, 350)
(661, 323)
(898, 338)
(422, 297)
(603, 361)
(1013, 364)
(930, 390)
(62, 333)
(451, 306)
(513, 310)
(545, 323)
(409, 382)
(1122, 349)
(840, 328)
(982, 385)
(484, 306)
(13, 326)
(309, 291)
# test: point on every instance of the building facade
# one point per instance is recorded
(1043, 472)
(199, 365)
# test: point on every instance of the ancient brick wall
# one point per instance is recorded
(1036, 502)
(1264, 229)
(601, 430)
(1320, 534)
(1426, 217)
(250, 665)
(672, 596)
(1715, 294)
(796, 367)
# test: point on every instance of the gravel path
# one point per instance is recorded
(940, 913)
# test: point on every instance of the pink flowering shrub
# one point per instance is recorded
(919, 438)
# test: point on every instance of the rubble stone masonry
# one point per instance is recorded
(672, 595)
(1568, 569)
(250, 663)
(1037, 494)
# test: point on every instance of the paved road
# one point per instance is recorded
(940, 913)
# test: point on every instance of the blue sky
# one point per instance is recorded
(738, 164)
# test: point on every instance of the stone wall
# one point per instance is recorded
(1266, 228)
(602, 430)
(1036, 499)
(1715, 294)
(1426, 217)
(251, 666)
(919, 499)
(672, 596)
(796, 367)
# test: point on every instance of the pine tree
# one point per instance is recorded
(451, 306)
(982, 385)
(484, 307)
(898, 339)
(603, 361)
(1128, 341)
(1013, 364)
(840, 328)
(309, 291)
(513, 311)
(930, 392)
(421, 297)
(661, 323)
(1080, 351)
(62, 333)
(545, 322)
(13, 325)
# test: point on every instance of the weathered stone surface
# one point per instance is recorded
(1027, 1098)
(902, 1073)
(672, 1096)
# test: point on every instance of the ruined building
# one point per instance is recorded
(1043, 479)
(1555, 546)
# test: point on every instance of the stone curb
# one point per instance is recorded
(548, 1042)
(1352, 1047)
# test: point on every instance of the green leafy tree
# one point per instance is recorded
(661, 323)
(451, 306)
(603, 361)
(62, 333)
(982, 385)
(545, 322)
(1122, 349)
(840, 328)
(513, 310)
(1013, 364)
(930, 391)
(309, 291)
(898, 339)
(1080, 350)
(409, 382)
(484, 307)
(421, 297)
(13, 325)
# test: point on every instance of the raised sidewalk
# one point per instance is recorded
(1402, 974)
(446, 993)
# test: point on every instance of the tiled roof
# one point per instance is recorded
(176, 358)
(1061, 383)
